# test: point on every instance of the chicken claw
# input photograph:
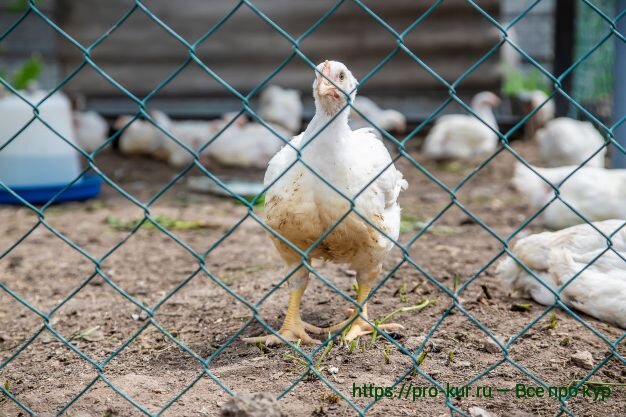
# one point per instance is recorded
(290, 332)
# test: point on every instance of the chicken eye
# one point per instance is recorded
(342, 76)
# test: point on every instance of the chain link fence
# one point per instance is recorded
(611, 34)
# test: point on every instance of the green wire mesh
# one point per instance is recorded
(593, 80)
(608, 33)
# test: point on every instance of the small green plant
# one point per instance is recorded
(7, 388)
(387, 354)
(260, 202)
(422, 357)
(261, 346)
(165, 221)
(456, 283)
(320, 361)
(353, 346)
(517, 81)
(521, 308)
(450, 357)
(92, 334)
(402, 292)
(330, 397)
(29, 71)
(554, 321)
(417, 307)
(17, 6)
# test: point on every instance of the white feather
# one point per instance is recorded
(566, 141)
(385, 119)
(464, 136)
(596, 193)
(91, 130)
(302, 207)
(251, 145)
(556, 257)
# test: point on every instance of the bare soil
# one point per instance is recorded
(152, 369)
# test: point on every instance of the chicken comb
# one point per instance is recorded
(326, 68)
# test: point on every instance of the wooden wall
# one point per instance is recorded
(140, 55)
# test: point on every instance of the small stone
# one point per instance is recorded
(433, 345)
(333, 369)
(479, 412)
(489, 345)
(461, 364)
(582, 359)
(141, 316)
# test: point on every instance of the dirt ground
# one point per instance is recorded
(152, 369)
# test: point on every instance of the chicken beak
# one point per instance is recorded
(326, 89)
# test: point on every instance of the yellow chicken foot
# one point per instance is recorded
(360, 327)
(293, 328)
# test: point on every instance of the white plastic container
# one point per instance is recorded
(37, 157)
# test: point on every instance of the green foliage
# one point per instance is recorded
(29, 71)
(517, 81)
(18, 6)
(165, 221)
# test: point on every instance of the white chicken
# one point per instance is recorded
(562, 141)
(91, 129)
(192, 133)
(459, 136)
(386, 119)
(142, 137)
(282, 107)
(556, 257)
(596, 193)
(251, 145)
(566, 141)
(301, 207)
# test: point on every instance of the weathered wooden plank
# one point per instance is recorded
(397, 77)
(140, 54)
(447, 36)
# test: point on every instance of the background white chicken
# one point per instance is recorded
(596, 193)
(566, 141)
(461, 136)
(251, 145)
(562, 141)
(91, 130)
(386, 119)
(142, 137)
(243, 143)
(301, 207)
(555, 257)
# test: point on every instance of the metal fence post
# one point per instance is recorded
(564, 38)
(619, 89)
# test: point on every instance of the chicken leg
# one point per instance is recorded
(293, 327)
(360, 327)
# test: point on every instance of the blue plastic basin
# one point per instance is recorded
(87, 187)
